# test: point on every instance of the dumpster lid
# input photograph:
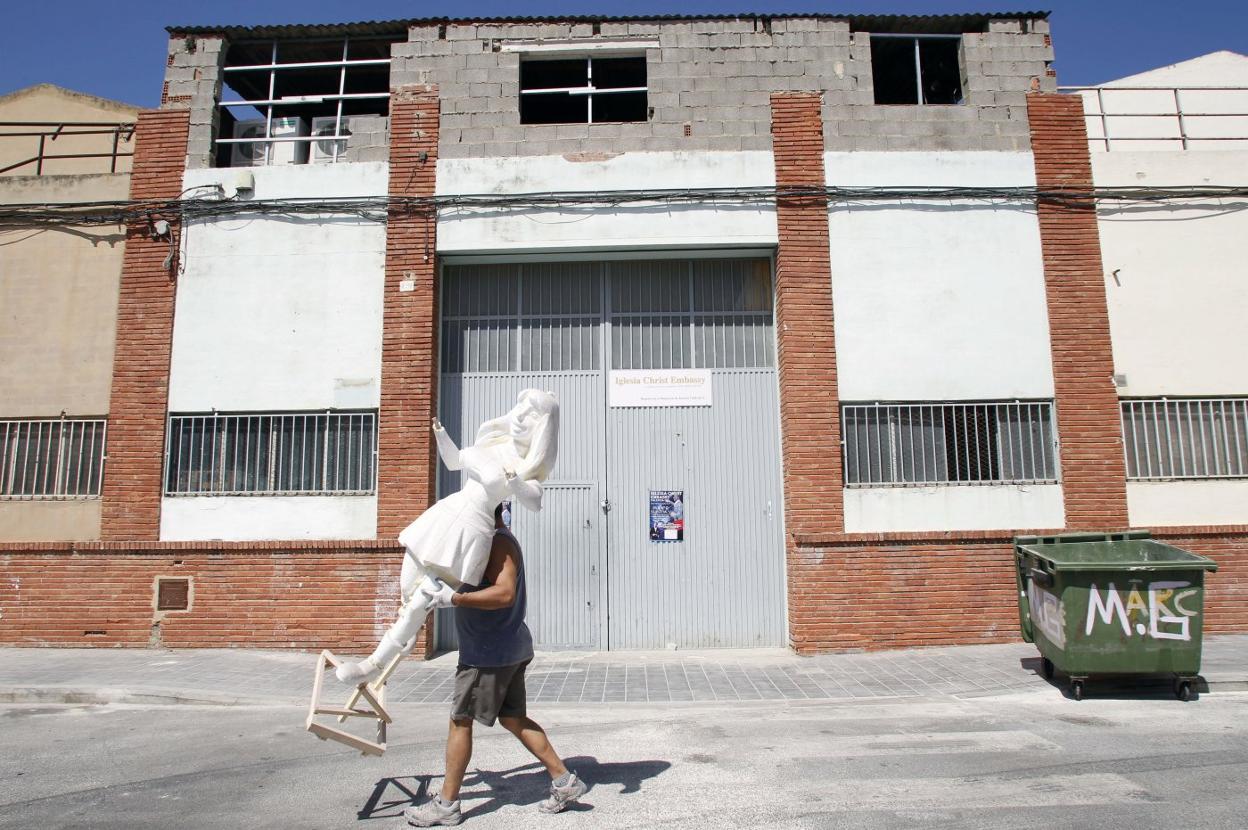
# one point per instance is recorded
(1116, 554)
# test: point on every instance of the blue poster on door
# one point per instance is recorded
(667, 515)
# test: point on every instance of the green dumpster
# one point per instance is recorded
(1112, 603)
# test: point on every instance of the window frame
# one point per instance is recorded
(918, 67)
(589, 90)
(1038, 453)
(266, 105)
(13, 430)
(1184, 437)
(176, 479)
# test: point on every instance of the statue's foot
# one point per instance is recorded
(353, 674)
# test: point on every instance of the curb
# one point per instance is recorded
(71, 695)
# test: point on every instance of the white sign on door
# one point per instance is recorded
(660, 387)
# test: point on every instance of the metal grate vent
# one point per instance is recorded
(173, 594)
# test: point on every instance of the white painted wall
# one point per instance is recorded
(1169, 503)
(250, 518)
(1175, 277)
(483, 230)
(937, 301)
(1012, 507)
(279, 314)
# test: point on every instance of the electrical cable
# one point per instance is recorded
(378, 208)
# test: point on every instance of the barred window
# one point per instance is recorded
(663, 314)
(948, 443)
(544, 317)
(304, 453)
(682, 314)
(59, 458)
(1168, 438)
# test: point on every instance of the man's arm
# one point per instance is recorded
(500, 572)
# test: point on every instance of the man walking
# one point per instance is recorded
(495, 647)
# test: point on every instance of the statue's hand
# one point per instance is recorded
(437, 426)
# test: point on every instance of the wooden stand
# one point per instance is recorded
(374, 695)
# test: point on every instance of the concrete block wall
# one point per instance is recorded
(999, 68)
(193, 82)
(370, 138)
(710, 83)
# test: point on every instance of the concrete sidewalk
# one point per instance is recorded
(228, 676)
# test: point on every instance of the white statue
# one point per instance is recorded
(449, 544)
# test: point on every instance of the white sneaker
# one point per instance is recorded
(433, 814)
(561, 797)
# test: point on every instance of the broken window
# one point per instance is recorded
(291, 102)
(585, 90)
(916, 70)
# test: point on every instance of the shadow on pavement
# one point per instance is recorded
(527, 784)
(1116, 687)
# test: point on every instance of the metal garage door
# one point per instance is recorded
(596, 579)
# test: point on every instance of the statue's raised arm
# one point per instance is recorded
(450, 542)
(446, 446)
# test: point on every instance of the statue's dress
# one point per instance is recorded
(452, 539)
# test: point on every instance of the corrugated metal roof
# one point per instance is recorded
(920, 23)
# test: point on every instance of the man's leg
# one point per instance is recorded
(458, 754)
(535, 741)
(444, 810)
(565, 787)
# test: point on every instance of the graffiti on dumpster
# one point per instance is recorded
(1047, 615)
(1161, 605)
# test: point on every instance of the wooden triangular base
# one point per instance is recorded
(374, 695)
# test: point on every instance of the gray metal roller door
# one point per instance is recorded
(596, 581)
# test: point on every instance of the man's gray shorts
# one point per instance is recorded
(487, 694)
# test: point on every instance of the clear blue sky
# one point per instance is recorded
(117, 49)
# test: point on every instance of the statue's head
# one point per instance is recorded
(534, 425)
(532, 405)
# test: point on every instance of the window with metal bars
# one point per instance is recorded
(663, 314)
(1185, 438)
(291, 101)
(60, 458)
(583, 90)
(298, 453)
(949, 443)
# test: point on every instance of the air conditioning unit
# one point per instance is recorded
(323, 151)
(277, 152)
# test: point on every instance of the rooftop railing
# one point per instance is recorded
(109, 140)
(1164, 117)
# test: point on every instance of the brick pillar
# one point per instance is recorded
(406, 457)
(1089, 424)
(130, 503)
(809, 413)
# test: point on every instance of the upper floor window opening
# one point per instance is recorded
(583, 90)
(916, 69)
(292, 101)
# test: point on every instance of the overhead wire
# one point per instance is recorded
(379, 208)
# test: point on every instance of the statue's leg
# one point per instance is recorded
(401, 636)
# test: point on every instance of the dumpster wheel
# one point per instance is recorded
(1183, 689)
(1076, 688)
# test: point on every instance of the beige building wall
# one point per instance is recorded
(52, 104)
(58, 297)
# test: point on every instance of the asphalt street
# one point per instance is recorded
(1017, 759)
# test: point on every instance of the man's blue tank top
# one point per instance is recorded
(499, 637)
